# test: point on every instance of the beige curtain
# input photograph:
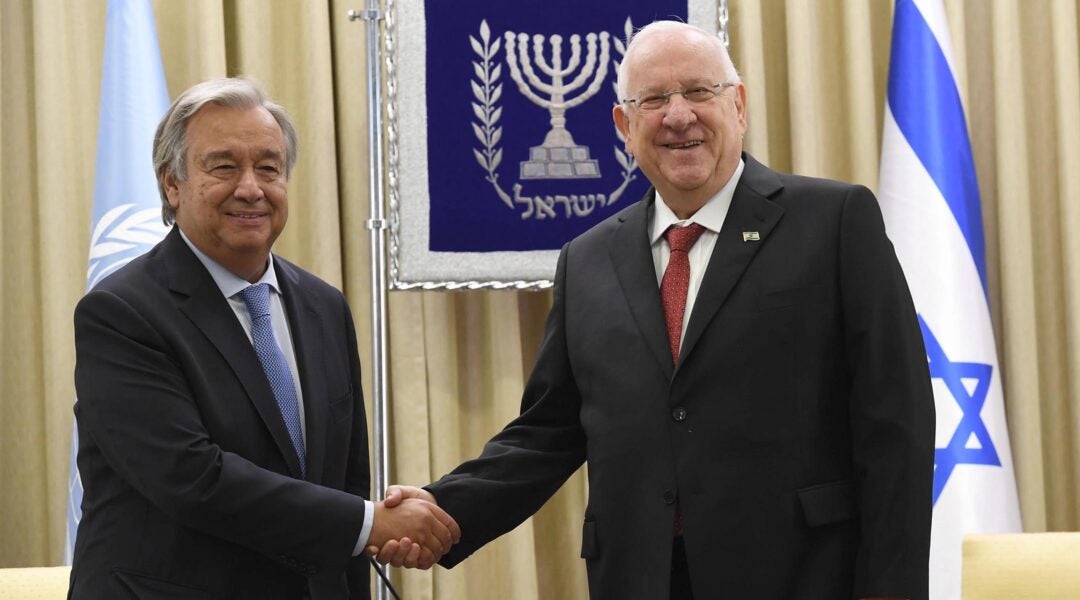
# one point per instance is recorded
(816, 73)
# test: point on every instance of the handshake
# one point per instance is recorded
(410, 530)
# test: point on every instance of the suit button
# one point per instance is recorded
(669, 497)
(679, 414)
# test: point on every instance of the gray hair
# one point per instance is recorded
(656, 27)
(171, 141)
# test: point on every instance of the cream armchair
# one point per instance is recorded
(37, 583)
(1021, 566)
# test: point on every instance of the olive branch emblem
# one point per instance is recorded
(120, 235)
(626, 161)
(487, 92)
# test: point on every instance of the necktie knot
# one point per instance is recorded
(681, 239)
(257, 299)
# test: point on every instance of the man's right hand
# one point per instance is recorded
(411, 539)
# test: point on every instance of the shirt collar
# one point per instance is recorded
(228, 282)
(710, 216)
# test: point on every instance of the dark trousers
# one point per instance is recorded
(680, 572)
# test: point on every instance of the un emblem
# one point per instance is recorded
(121, 234)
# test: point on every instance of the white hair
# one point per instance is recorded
(658, 27)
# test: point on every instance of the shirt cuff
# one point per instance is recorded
(365, 531)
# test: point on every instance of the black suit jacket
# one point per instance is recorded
(796, 433)
(192, 486)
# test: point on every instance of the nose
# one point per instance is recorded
(679, 113)
(248, 188)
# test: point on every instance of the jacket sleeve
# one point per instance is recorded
(358, 472)
(891, 407)
(525, 463)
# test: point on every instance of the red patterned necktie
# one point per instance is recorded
(673, 288)
(677, 280)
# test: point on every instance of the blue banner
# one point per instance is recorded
(126, 219)
(522, 153)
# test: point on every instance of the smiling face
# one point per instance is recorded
(234, 202)
(687, 150)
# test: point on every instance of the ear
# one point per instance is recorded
(740, 104)
(622, 123)
(172, 189)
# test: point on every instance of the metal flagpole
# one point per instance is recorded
(377, 226)
(722, 22)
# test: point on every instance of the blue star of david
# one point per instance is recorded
(952, 374)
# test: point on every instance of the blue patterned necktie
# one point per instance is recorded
(257, 299)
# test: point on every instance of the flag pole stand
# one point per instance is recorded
(377, 226)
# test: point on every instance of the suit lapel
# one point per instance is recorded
(307, 335)
(211, 313)
(632, 257)
(750, 211)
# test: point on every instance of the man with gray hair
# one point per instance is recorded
(222, 432)
(737, 358)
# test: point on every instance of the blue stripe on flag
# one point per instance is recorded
(926, 105)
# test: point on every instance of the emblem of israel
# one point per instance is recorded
(537, 69)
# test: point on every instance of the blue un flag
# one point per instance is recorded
(126, 218)
(930, 198)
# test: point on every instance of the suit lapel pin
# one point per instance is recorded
(751, 236)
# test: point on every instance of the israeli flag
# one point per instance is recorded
(127, 208)
(930, 198)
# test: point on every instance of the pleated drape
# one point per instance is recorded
(816, 74)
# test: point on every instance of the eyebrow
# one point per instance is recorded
(268, 153)
(685, 83)
(228, 155)
(216, 155)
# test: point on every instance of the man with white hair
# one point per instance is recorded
(222, 436)
(738, 360)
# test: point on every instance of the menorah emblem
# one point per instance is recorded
(558, 157)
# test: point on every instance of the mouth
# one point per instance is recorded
(248, 217)
(683, 145)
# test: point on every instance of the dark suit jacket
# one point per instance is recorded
(796, 433)
(192, 487)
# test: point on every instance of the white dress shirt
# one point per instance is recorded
(711, 217)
